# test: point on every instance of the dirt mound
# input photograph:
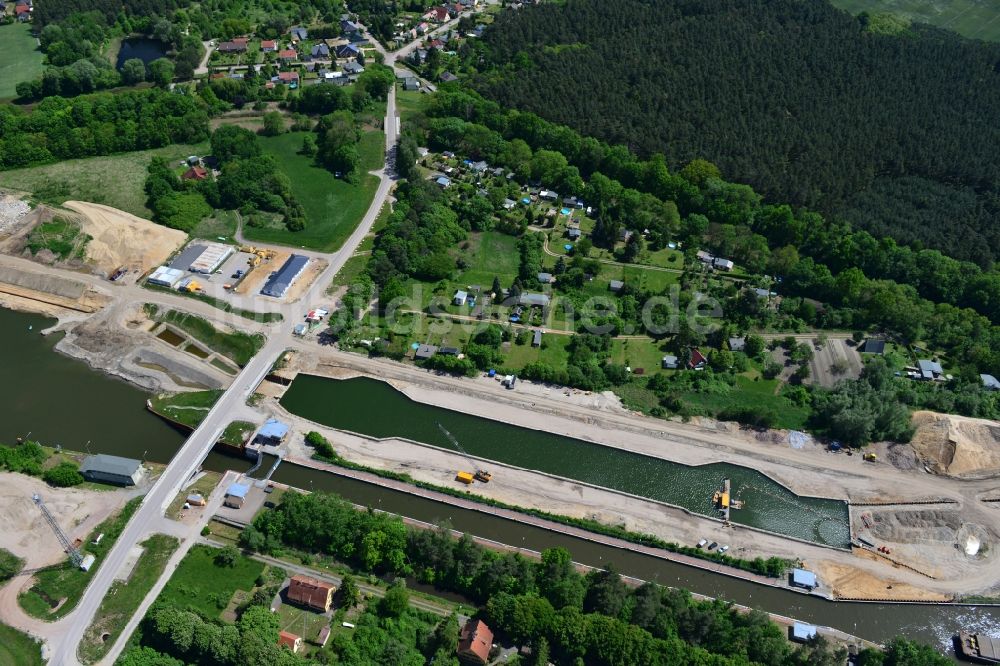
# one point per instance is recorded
(957, 445)
(122, 239)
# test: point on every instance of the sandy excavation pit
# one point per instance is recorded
(932, 540)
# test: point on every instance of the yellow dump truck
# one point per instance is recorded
(871, 457)
(465, 477)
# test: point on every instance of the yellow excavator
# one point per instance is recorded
(480, 475)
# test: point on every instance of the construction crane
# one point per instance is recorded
(481, 474)
(70, 549)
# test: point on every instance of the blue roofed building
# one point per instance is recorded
(236, 495)
(803, 578)
(272, 433)
(279, 282)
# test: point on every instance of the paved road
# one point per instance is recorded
(189, 458)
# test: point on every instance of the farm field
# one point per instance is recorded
(333, 207)
(112, 180)
(976, 19)
(20, 59)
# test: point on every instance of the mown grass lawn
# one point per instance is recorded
(753, 394)
(333, 207)
(200, 585)
(223, 224)
(124, 598)
(488, 254)
(349, 272)
(552, 352)
(20, 59)
(17, 648)
(188, 408)
(112, 180)
(638, 353)
(409, 103)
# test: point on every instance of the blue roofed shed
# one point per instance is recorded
(272, 433)
(803, 578)
(802, 632)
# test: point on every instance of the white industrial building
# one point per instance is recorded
(165, 276)
(211, 258)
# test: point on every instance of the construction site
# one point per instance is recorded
(913, 536)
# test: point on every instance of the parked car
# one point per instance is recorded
(701, 544)
(724, 549)
(713, 545)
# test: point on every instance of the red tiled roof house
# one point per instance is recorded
(312, 593)
(290, 641)
(475, 643)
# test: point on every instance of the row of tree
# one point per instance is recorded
(100, 124)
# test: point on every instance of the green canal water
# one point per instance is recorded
(62, 401)
(372, 407)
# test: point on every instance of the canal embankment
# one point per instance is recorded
(375, 409)
(876, 621)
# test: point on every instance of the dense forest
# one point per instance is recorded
(47, 11)
(895, 134)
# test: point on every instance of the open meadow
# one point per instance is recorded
(976, 19)
(112, 180)
(333, 206)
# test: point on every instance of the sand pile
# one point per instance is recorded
(957, 445)
(122, 239)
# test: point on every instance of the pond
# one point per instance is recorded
(145, 49)
(376, 409)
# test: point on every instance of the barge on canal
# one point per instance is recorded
(979, 648)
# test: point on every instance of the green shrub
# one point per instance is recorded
(63, 475)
